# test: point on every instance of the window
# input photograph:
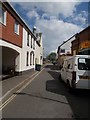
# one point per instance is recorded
(31, 41)
(84, 64)
(16, 28)
(32, 58)
(62, 50)
(27, 38)
(2, 16)
(33, 44)
(68, 67)
(40, 57)
(27, 59)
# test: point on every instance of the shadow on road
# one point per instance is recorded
(78, 100)
(39, 96)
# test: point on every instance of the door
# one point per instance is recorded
(63, 71)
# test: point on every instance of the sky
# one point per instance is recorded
(57, 20)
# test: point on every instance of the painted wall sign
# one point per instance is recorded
(85, 44)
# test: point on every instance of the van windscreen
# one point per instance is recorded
(83, 63)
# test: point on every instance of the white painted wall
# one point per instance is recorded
(39, 53)
(20, 60)
(24, 51)
(67, 46)
(6, 44)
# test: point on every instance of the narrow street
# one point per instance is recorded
(42, 45)
(47, 97)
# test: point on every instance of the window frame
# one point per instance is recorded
(27, 59)
(3, 16)
(32, 57)
(62, 50)
(84, 67)
(68, 66)
(34, 44)
(31, 41)
(16, 26)
(27, 38)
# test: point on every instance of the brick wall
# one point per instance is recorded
(84, 35)
(8, 31)
(80, 38)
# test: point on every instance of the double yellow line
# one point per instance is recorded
(13, 96)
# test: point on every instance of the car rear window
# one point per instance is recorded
(83, 63)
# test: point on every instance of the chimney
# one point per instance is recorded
(34, 29)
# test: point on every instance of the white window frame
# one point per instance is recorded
(33, 43)
(3, 16)
(16, 27)
(28, 38)
(27, 58)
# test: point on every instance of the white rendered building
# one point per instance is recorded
(18, 43)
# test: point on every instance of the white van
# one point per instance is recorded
(76, 72)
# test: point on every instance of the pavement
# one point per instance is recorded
(13, 83)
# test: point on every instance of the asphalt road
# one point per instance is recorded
(46, 97)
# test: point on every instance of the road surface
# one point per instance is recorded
(46, 97)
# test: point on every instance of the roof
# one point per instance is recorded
(84, 29)
(65, 42)
(81, 32)
(12, 10)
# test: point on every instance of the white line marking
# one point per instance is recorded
(13, 96)
(16, 87)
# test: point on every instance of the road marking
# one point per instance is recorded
(7, 102)
(16, 86)
(55, 70)
(13, 96)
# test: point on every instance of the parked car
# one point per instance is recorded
(76, 72)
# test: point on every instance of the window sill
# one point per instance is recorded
(3, 24)
(16, 33)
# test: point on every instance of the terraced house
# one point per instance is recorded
(18, 42)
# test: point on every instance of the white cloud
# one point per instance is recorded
(52, 8)
(48, 0)
(32, 14)
(55, 32)
(45, 16)
(81, 18)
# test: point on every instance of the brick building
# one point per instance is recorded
(81, 44)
